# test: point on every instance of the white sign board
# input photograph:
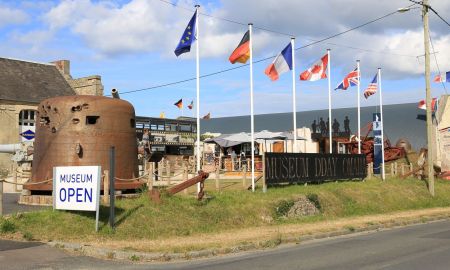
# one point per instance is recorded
(77, 188)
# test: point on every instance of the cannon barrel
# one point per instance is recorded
(10, 148)
(115, 93)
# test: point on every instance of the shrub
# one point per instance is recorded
(282, 207)
(7, 226)
(314, 198)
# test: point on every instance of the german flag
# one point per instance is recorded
(207, 117)
(179, 104)
(242, 52)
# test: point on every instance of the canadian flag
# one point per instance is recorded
(317, 71)
(423, 105)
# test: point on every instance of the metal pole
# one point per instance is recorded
(359, 107)
(294, 106)
(252, 122)
(329, 101)
(198, 93)
(383, 175)
(112, 168)
(428, 98)
(1, 198)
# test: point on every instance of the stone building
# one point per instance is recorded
(23, 85)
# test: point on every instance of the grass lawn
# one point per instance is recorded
(231, 210)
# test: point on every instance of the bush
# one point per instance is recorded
(314, 198)
(7, 226)
(282, 207)
(27, 236)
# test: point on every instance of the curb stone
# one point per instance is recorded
(137, 256)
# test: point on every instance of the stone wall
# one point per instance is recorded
(91, 85)
(9, 118)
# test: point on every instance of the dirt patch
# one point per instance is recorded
(261, 234)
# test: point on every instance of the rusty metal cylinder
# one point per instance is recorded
(79, 131)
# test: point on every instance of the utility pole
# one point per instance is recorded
(426, 40)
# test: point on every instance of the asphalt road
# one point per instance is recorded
(11, 206)
(424, 246)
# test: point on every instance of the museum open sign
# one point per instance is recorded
(76, 188)
(304, 167)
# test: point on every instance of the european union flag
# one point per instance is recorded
(187, 38)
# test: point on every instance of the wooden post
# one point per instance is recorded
(106, 187)
(264, 172)
(392, 170)
(396, 168)
(185, 176)
(369, 170)
(411, 167)
(244, 176)
(218, 178)
(403, 169)
(1, 198)
(150, 175)
(168, 172)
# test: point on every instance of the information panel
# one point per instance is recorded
(303, 167)
(76, 188)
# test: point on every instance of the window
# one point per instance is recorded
(185, 127)
(171, 126)
(91, 120)
(27, 118)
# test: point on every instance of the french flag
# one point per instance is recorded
(281, 64)
(423, 105)
(444, 77)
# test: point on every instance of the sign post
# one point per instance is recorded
(377, 143)
(77, 188)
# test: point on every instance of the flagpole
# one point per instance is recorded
(294, 106)
(182, 109)
(252, 123)
(198, 92)
(329, 101)
(382, 124)
(359, 107)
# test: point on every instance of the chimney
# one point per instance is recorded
(63, 66)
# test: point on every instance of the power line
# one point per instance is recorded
(432, 9)
(435, 59)
(260, 60)
(227, 20)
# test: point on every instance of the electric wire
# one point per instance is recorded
(435, 59)
(431, 8)
(260, 60)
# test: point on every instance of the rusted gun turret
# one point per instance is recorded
(155, 195)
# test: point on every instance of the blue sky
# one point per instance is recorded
(130, 45)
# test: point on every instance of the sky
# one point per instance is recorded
(130, 45)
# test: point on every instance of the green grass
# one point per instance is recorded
(230, 209)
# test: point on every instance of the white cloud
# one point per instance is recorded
(142, 26)
(12, 16)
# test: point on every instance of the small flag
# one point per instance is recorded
(351, 79)
(179, 104)
(317, 71)
(242, 52)
(423, 105)
(281, 64)
(187, 38)
(191, 105)
(372, 88)
(162, 115)
(207, 117)
(444, 77)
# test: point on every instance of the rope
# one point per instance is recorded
(161, 176)
(131, 179)
(32, 183)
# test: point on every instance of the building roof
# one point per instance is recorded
(400, 121)
(31, 82)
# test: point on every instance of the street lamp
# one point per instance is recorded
(426, 40)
